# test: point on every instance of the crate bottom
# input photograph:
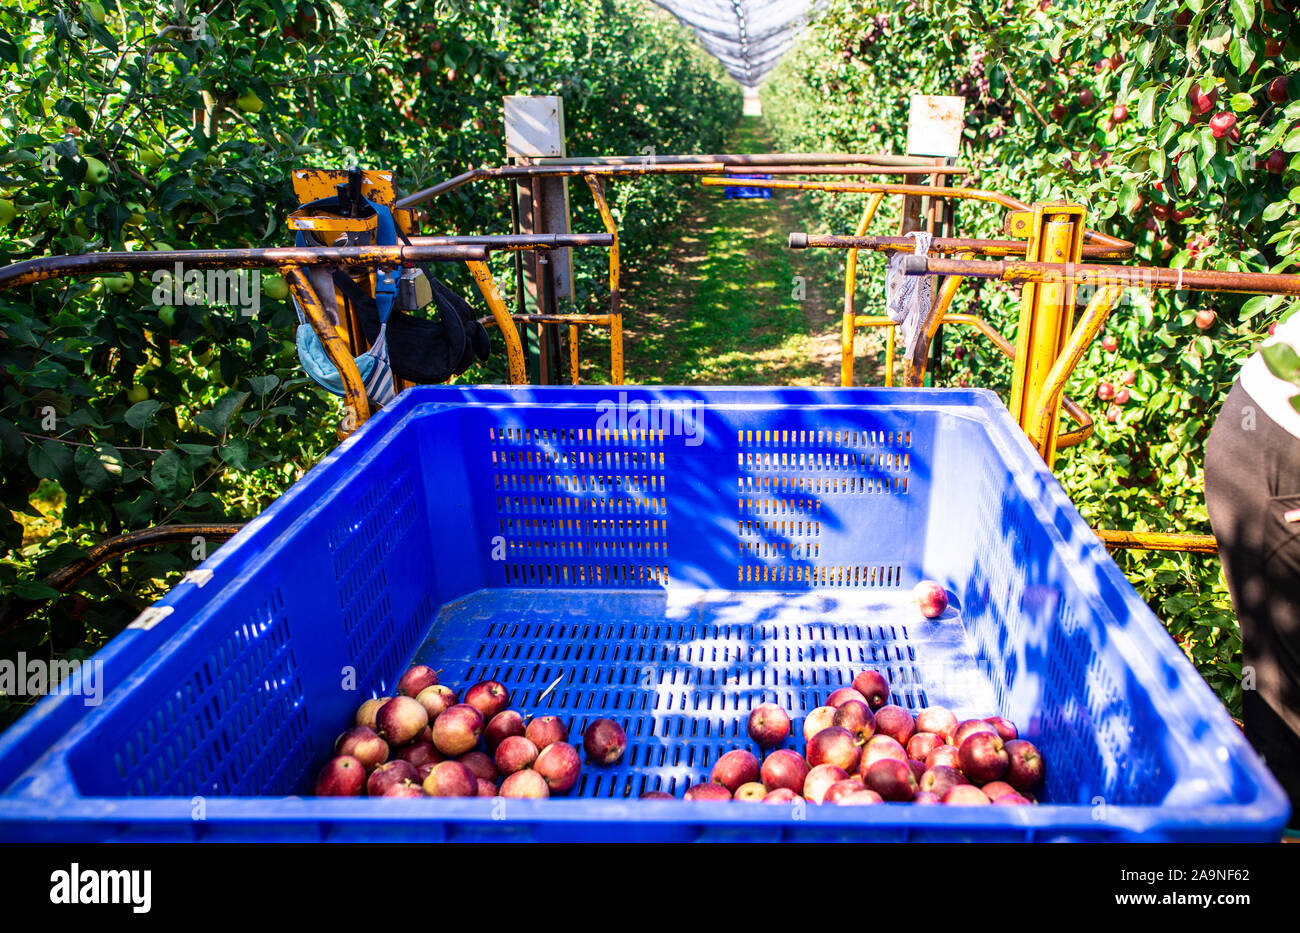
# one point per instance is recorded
(681, 669)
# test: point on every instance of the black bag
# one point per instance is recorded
(423, 350)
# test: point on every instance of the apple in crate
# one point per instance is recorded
(968, 728)
(503, 725)
(390, 773)
(488, 697)
(458, 729)
(835, 746)
(781, 795)
(938, 721)
(604, 742)
(784, 769)
(769, 725)
(417, 679)
(515, 753)
(343, 776)
(861, 798)
(983, 757)
(752, 792)
(895, 722)
(844, 695)
(526, 783)
(819, 781)
(400, 720)
(879, 747)
(363, 744)
(1005, 727)
(707, 791)
(943, 755)
(734, 769)
(891, 779)
(931, 598)
(559, 765)
(480, 765)
(451, 779)
(966, 795)
(855, 716)
(367, 711)
(436, 700)
(546, 730)
(873, 686)
(1024, 765)
(823, 717)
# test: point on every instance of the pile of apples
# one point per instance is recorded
(424, 742)
(859, 750)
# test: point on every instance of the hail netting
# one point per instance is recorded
(747, 36)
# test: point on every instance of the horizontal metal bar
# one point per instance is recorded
(1128, 276)
(899, 244)
(760, 158)
(51, 267)
(512, 241)
(591, 320)
(1158, 541)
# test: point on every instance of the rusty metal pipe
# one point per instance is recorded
(1124, 276)
(51, 267)
(354, 390)
(1158, 541)
(519, 241)
(902, 244)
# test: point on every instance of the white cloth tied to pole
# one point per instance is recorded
(908, 297)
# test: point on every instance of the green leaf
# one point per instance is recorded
(99, 467)
(1217, 39)
(217, 418)
(1282, 361)
(1242, 102)
(1243, 14)
(172, 475)
(235, 453)
(1276, 210)
(50, 460)
(1147, 107)
(263, 384)
(141, 413)
(1292, 141)
(30, 589)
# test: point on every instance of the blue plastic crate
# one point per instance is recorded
(668, 558)
(747, 191)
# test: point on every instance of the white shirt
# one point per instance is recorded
(1271, 394)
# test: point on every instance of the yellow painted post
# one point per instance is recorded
(850, 285)
(1046, 316)
(514, 349)
(615, 300)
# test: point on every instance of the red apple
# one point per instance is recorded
(1118, 114)
(559, 765)
(860, 798)
(1006, 729)
(480, 765)
(1109, 343)
(769, 725)
(895, 722)
(735, 768)
(921, 744)
(458, 729)
(1086, 98)
(388, 774)
(931, 598)
(925, 797)
(873, 686)
(546, 730)
(707, 791)
(1113, 413)
(937, 720)
(855, 716)
(400, 720)
(966, 795)
(405, 789)
(488, 697)
(823, 717)
(940, 779)
(995, 789)
(343, 776)
(820, 779)
(1205, 318)
(363, 744)
(1058, 112)
(784, 769)
(968, 728)
(1011, 800)
(892, 780)
(485, 788)
(1221, 123)
(1121, 398)
(1025, 765)
(1129, 377)
(367, 711)
(1276, 162)
(420, 753)
(983, 757)
(417, 679)
(946, 755)
(1105, 391)
(841, 789)
(604, 741)
(1201, 102)
(503, 725)
(781, 795)
(436, 699)
(843, 695)
(657, 795)
(1277, 89)
(834, 746)
(515, 753)
(451, 779)
(526, 783)
(880, 747)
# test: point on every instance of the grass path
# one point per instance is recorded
(719, 307)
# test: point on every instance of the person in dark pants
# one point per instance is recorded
(1252, 490)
